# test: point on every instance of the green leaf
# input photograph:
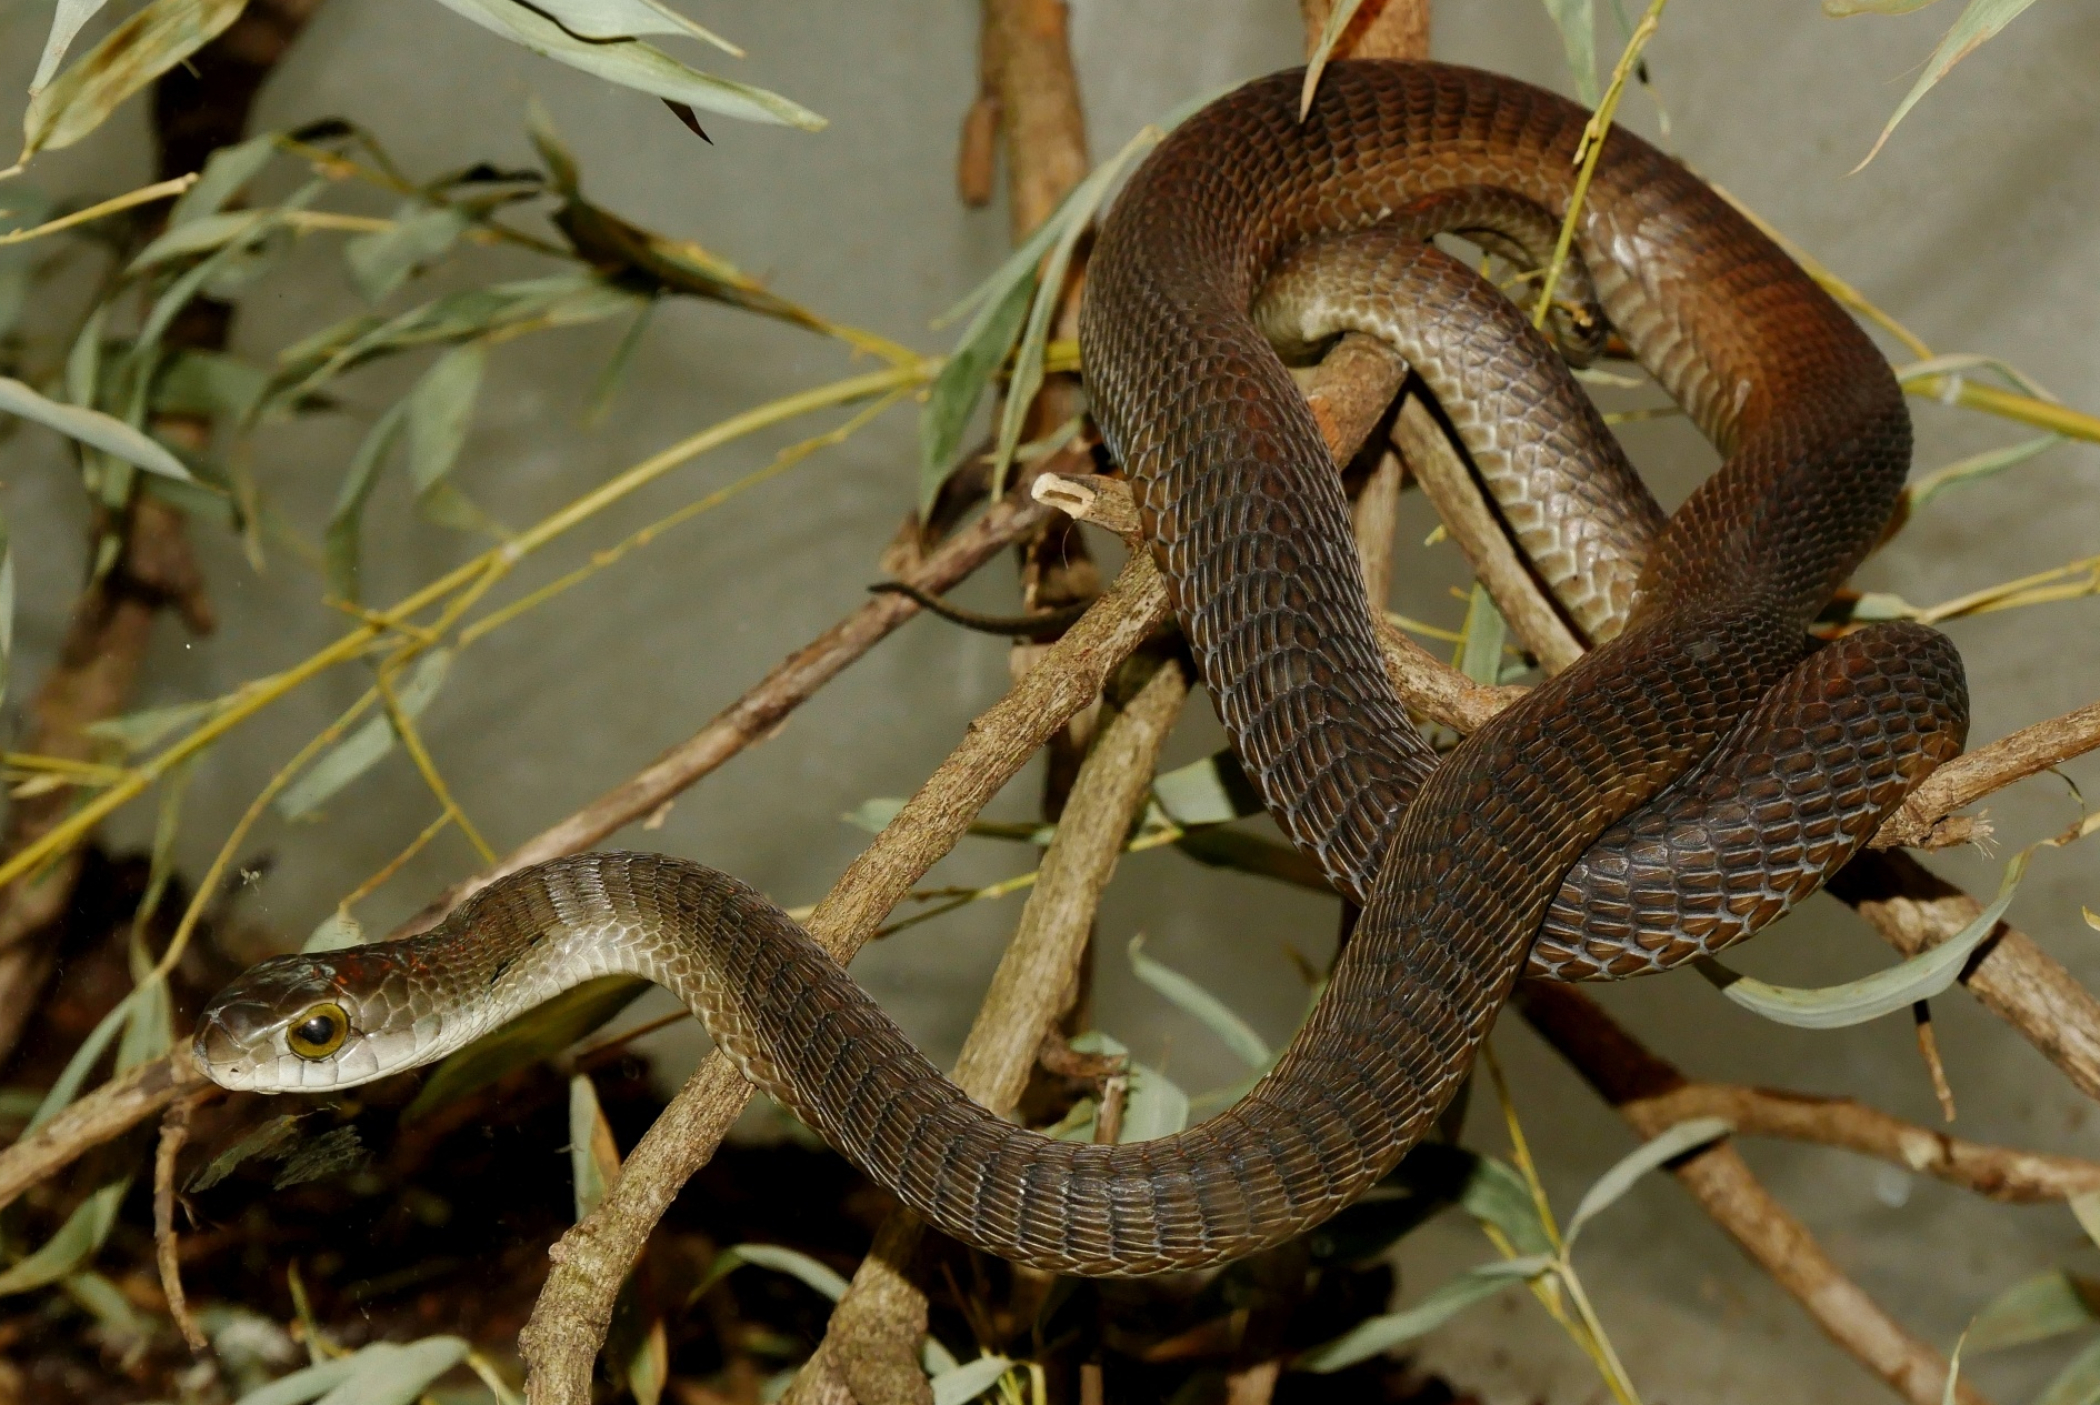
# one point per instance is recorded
(76, 1241)
(1219, 1018)
(385, 1374)
(90, 427)
(302, 1386)
(66, 22)
(608, 383)
(1975, 468)
(2078, 1383)
(134, 54)
(208, 383)
(874, 815)
(822, 1278)
(146, 729)
(1215, 790)
(961, 384)
(67, 1085)
(2035, 1309)
(368, 745)
(1870, 997)
(1673, 1142)
(226, 171)
(339, 929)
(268, 1142)
(613, 19)
(194, 280)
(1979, 21)
(968, 1381)
(1153, 1106)
(538, 1034)
(440, 412)
(199, 236)
(594, 1161)
(1219, 847)
(1381, 1334)
(1480, 658)
(343, 544)
(1495, 1194)
(1577, 22)
(422, 235)
(633, 64)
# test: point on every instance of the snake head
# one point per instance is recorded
(310, 1024)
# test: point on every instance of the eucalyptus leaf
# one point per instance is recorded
(75, 1242)
(1577, 22)
(90, 427)
(2035, 1309)
(614, 19)
(1978, 22)
(1379, 1335)
(1189, 997)
(1671, 1143)
(1214, 790)
(142, 731)
(1976, 468)
(966, 1382)
(1870, 997)
(633, 64)
(302, 1386)
(594, 1158)
(225, 172)
(268, 1142)
(961, 384)
(1339, 13)
(132, 55)
(368, 745)
(422, 235)
(538, 1034)
(1486, 634)
(200, 236)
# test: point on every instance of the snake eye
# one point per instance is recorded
(319, 1032)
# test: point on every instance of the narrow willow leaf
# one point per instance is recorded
(875, 815)
(821, 1277)
(199, 236)
(2077, 1384)
(961, 384)
(90, 427)
(554, 153)
(935, 1358)
(617, 19)
(1870, 997)
(422, 235)
(2034, 1309)
(1495, 1194)
(1339, 14)
(966, 1382)
(633, 64)
(66, 22)
(385, 1374)
(1976, 468)
(334, 932)
(266, 1142)
(1378, 1335)
(301, 1386)
(142, 731)
(1156, 1106)
(195, 279)
(1672, 1143)
(226, 171)
(368, 745)
(343, 543)
(1979, 21)
(7, 607)
(2085, 1208)
(1480, 659)
(1216, 846)
(440, 412)
(1952, 364)
(1215, 790)
(209, 384)
(336, 1152)
(1950, 1396)
(134, 54)
(1577, 22)
(74, 1243)
(1192, 999)
(608, 383)
(594, 1158)
(73, 1076)
(538, 1034)
(115, 1317)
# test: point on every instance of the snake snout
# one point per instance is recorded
(231, 1041)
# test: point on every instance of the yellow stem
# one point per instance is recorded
(143, 195)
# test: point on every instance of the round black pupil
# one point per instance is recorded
(317, 1030)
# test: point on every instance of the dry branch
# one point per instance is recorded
(1639, 1084)
(174, 1134)
(109, 1111)
(870, 1347)
(1967, 779)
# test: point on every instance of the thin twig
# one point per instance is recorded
(1969, 778)
(174, 1132)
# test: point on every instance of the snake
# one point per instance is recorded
(1703, 767)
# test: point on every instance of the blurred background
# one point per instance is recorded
(1975, 225)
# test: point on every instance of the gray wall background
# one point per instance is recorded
(1974, 226)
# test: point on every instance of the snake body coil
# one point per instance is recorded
(1700, 769)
